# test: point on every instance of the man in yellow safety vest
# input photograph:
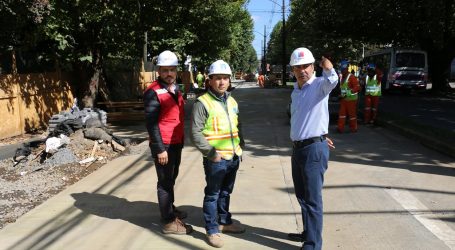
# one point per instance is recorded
(372, 94)
(216, 132)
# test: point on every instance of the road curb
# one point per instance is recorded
(442, 147)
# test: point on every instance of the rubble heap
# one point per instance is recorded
(76, 144)
(76, 114)
(74, 136)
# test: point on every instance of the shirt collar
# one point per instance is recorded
(220, 98)
(309, 82)
(166, 86)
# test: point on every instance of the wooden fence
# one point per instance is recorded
(27, 101)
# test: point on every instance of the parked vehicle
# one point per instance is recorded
(403, 69)
(274, 76)
(451, 79)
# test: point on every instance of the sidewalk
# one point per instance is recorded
(116, 207)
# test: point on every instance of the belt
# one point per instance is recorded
(309, 141)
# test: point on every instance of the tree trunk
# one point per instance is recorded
(439, 60)
(92, 90)
(96, 83)
(441, 52)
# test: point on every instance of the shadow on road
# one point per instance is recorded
(145, 214)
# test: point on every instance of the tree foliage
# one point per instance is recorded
(19, 21)
(343, 29)
(83, 34)
(274, 49)
(206, 30)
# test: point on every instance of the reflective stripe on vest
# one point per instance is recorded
(220, 128)
(373, 88)
(345, 91)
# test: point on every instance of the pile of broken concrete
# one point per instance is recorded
(75, 136)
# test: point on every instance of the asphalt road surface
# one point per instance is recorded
(437, 112)
(382, 191)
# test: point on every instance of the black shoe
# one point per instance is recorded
(296, 237)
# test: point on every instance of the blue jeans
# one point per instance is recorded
(309, 164)
(220, 179)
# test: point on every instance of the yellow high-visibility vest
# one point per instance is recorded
(345, 91)
(221, 127)
(373, 88)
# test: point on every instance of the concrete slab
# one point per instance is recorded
(116, 206)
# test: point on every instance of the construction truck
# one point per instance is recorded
(274, 77)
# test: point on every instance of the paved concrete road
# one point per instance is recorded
(437, 112)
(382, 191)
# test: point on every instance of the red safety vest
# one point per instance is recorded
(171, 116)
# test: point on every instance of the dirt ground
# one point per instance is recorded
(33, 180)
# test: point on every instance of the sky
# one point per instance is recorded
(268, 13)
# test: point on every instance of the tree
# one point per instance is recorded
(429, 25)
(306, 27)
(242, 36)
(19, 21)
(251, 64)
(207, 30)
(83, 34)
(274, 50)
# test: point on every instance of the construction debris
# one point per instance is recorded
(77, 118)
(94, 149)
(33, 175)
(97, 134)
(54, 143)
(87, 160)
(117, 147)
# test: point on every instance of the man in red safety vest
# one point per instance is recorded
(164, 113)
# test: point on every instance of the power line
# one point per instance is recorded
(271, 17)
(269, 11)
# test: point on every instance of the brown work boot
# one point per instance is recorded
(177, 227)
(232, 228)
(215, 240)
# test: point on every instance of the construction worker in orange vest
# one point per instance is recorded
(350, 88)
(261, 80)
(372, 94)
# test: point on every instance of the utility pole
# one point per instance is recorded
(262, 57)
(265, 59)
(144, 49)
(283, 60)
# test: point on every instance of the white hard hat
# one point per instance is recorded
(301, 56)
(167, 58)
(220, 67)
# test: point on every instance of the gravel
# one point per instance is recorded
(61, 157)
(27, 184)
